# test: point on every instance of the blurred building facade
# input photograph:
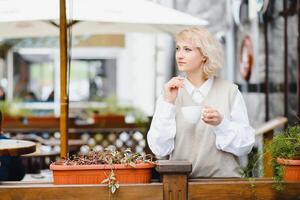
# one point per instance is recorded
(134, 66)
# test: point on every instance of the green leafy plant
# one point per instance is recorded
(287, 144)
(112, 107)
(10, 109)
(253, 169)
(111, 182)
(284, 145)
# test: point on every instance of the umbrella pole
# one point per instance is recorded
(64, 100)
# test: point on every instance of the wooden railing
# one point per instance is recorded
(271, 125)
(267, 132)
(175, 185)
(51, 124)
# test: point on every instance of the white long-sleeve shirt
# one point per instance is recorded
(233, 135)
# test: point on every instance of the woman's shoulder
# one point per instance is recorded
(226, 87)
(225, 83)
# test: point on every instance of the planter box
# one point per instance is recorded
(30, 121)
(95, 174)
(109, 121)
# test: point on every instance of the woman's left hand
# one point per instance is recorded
(211, 116)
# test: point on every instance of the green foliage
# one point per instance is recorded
(278, 175)
(252, 169)
(10, 108)
(287, 144)
(112, 107)
(4, 107)
(111, 182)
(284, 145)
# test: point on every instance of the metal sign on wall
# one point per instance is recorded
(246, 58)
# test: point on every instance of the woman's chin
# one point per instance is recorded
(182, 69)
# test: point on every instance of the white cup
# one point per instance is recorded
(191, 114)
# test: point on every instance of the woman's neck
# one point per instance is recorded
(196, 79)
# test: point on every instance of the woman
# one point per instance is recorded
(223, 133)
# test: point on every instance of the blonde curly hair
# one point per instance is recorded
(208, 45)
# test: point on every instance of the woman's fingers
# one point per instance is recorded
(178, 80)
(211, 116)
(171, 88)
(175, 82)
(211, 121)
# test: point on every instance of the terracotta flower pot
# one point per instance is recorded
(95, 174)
(291, 169)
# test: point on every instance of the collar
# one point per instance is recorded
(204, 88)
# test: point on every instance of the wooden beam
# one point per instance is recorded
(103, 41)
(173, 166)
(213, 189)
(242, 189)
(271, 125)
(78, 192)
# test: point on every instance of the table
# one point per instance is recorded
(51, 141)
(37, 160)
(16, 147)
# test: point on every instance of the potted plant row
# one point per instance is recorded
(107, 167)
(115, 115)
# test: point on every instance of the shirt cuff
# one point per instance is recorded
(166, 109)
(222, 127)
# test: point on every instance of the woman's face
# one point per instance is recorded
(188, 57)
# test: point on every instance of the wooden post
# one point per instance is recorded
(267, 132)
(64, 106)
(175, 178)
(267, 167)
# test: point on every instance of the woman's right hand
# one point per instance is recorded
(171, 89)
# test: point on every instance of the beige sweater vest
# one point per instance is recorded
(196, 143)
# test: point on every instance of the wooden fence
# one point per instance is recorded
(174, 185)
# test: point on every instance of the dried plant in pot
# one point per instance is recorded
(107, 167)
(285, 150)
